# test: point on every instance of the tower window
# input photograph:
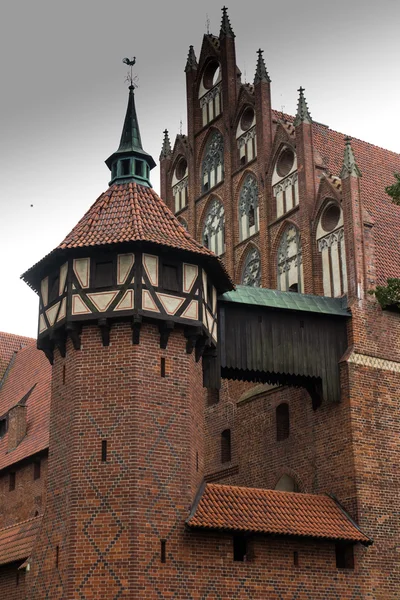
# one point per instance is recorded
(11, 481)
(139, 168)
(103, 273)
(54, 283)
(125, 167)
(171, 278)
(248, 208)
(344, 556)
(239, 548)
(226, 446)
(213, 236)
(282, 422)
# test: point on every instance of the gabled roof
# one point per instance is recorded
(230, 508)
(16, 541)
(244, 294)
(30, 369)
(10, 343)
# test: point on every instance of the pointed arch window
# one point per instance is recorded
(290, 261)
(330, 240)
(213, 235)
(248, 208)
(212, 168)
(251, 274)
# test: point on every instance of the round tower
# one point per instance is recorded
(128, 307)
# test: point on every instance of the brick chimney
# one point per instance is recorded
(16, 425)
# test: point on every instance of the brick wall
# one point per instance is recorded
(12, 582)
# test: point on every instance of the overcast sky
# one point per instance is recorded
(63, 97)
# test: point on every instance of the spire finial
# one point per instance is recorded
(191, 63)
(261, 70)
(226, 29)
(303, 114)
(349, 168)
(166, 149)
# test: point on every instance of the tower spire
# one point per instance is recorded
(261, 70)
(349, 168)
(130, 161)
(226, 28)
(303, 114)
(191, 63)
(166, 149)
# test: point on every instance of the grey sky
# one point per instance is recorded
(63, 97)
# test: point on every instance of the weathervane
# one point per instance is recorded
(130, 78)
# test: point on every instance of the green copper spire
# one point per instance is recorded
(303, 114)
(166, 149)
(226, 28)
(130, 162)
(349, 168)
(191, 63)
(261, 70)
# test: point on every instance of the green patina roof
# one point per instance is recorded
(287, 300)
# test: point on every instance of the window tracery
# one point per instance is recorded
(331, 245)
(212, 166)
(251, 274)
(285, 182)
(248, 208)
(290, 261)
(210, 93)
(213, 235)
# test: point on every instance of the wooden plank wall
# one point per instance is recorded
(286, 347)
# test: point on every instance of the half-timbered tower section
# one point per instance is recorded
(291, 205)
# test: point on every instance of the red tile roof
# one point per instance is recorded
(30, 367)
(10, 343)
(377, 167)
(16, 541)
(129, 212)
(231, 508)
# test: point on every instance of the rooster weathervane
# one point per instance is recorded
(130, 78)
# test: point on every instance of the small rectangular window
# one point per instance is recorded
(104, 450)
(171, 278)
(126, 167)
(36, 470)
(3, 427)
(239, 548)
(226, 446)
(57, 556)
(296, 559)
(11, 486)
(54, 283)
(344, 556)
(162, 367)
(139, 168)
(103, 273)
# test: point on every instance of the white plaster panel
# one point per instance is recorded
(102, 300)
(78, 306)
(326, 274)
(148, 302)
(82, 270)
(192, 311)
(337, 288)
(344, 265)
(150, 264)
(170, 303)
(189, 276)
(44, 291)
(125, 263)
(63, 310)
(204, 276)
(51, 313)
(42, 324)
(126, 302)
(63, 278)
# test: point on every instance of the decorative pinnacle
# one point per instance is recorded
(191, 63)
(349, 168)
(303, 114)
(226, 29)
(166, 149)
(261, 70)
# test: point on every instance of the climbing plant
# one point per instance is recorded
(388, 295)
(394, 190)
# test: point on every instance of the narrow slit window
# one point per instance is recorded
(163, 555)
(282, 422)
(239, 548)
(63, 375)
(226, 446)
(162, 367)
(11, 481)
(126, 167)
(36, 470)
(104, 451)
(171, 278)
(57, 556)
(295, 559)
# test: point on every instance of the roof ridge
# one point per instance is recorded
(21, 523)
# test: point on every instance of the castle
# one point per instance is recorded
(211, 408)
